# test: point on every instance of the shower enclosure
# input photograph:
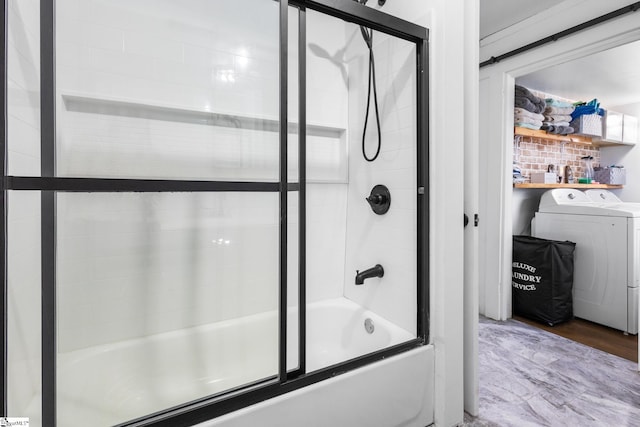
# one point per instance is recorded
(185, 206)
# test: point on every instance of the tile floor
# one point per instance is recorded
(530, 377)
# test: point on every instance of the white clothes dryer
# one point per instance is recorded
(606, 278)
(602, 196)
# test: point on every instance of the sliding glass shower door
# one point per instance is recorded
(160, 295)
(158, 186)
(181, 184)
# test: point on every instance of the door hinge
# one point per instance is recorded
(476, 220)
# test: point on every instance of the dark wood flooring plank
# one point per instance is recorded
(597, 336)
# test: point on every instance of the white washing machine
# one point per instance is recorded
(607, 198)
(607, 257)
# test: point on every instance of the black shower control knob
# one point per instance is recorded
(379, 199)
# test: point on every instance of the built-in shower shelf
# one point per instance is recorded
(129, 108)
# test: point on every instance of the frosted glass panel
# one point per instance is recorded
(163, 298)
(23, 87)
(292, 96)
(23, 276)
(293, 291)
(165, 89)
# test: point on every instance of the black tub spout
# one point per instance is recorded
(376, 271)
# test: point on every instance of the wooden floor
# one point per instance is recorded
(597, 336)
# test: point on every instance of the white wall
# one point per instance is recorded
(628, 156)
(497, 129)
(524, 204)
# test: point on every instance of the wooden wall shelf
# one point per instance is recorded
(578, 139)
(585, 186)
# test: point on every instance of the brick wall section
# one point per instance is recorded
(535, 154)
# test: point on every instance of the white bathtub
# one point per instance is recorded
(336, 332)
(109, 384)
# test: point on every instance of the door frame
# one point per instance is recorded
(496, 139)
(471, 205)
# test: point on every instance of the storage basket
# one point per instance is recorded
(615, 176)
(544, 178)
(588, 125)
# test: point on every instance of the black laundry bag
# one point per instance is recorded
(542, 279)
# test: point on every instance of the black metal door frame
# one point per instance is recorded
(49, 185)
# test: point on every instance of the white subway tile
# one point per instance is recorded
(205, 56)
(186, 74)
(103, 37)
(130, 65)
(399, 140)
(145, 44)
(69, 29)
(397, 159)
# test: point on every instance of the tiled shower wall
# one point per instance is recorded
(389, 239)
(536, 154)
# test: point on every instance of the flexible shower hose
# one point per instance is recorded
(367, 35)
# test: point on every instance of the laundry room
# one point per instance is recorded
(578, 147)
(608, 78)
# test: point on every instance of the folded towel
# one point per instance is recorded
(520, 118)
(564, 111)
(523, 92)
(558, 130)
(593, 107)
(523, 112)
(565, 123)
(557, 118)
(526, 125)
(522, 102)
(551, 102)
(526, 93)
